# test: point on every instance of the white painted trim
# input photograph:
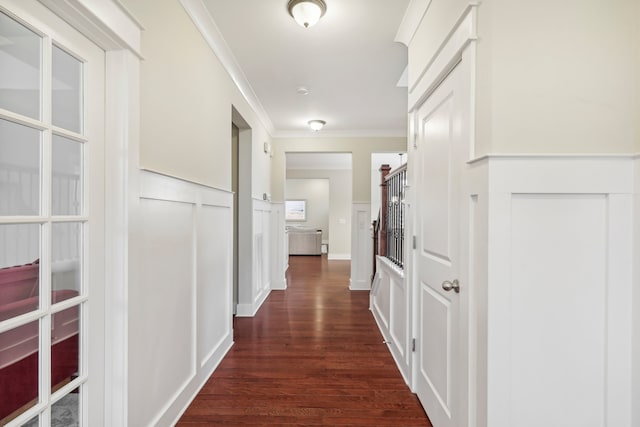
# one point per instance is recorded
(156, 186)
(556, 175)
(547, 156)
(121, 116)
(361, 246)
(104, 22)
(359, 285)
(398, 349)
(215, 359)
(250, 310)
(587, 174)
(635, 302)
(205, 23)
(447, 56)
(416, 9)
(338, 257)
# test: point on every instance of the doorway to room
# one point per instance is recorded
(322, 182)
(241, 170)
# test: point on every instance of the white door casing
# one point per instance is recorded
(86, 136)
(441, 149)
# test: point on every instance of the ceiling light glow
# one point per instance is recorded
(316, 125)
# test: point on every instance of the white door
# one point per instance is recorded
(51, 220)
(440, 154)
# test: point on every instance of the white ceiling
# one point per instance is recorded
(349, 62)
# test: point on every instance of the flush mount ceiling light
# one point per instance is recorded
(316, 125)
(306, 12)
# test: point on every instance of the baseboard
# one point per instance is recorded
(279, 285)
(359, 285)
(392, 349)
(250, 310)
(225, 346)
(342, 257)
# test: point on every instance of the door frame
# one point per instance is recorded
(458, 51)
(113, 28)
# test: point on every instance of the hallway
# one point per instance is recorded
(311, 356)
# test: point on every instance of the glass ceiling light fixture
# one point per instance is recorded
(306, 12)
(316, 125)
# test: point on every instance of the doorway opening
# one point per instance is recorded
(241, 167)
(323, 181)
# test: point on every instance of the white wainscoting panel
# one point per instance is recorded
(558, 309)
(161, 326)
(399, 326)
(279, 247)
(261, 263)
(635, 395)
(180, 307)
(552, 274)
(389, 303)
(214, 299)
(361, 247)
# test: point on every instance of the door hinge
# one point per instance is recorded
(415, 242)
(413, 345)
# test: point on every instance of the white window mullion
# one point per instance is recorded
(46, 233)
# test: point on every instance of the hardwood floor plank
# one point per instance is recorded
(312, 355)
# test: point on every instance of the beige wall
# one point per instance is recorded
(552, 76)
(316, 193)
(186, 101)
(339, 206)
(360, 148)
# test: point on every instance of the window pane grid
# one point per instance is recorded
(57, 115)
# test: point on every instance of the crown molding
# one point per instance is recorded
(411, 20)
(205, 23)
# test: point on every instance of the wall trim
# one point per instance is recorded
(215, 360)
(106, 23)
(154, 185)
(549, 156)
(445, 58)
(510, 178)
(338, 257)
(207, 26)
(250, 310)
(413, 15)
(399, 350)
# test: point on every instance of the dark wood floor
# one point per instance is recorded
(311, 356)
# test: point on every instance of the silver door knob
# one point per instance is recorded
(448, 286)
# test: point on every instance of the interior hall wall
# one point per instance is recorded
(186, 102)
(556, 77)
(180, 266)
(360, 149)
(316, 194)
(339, 207)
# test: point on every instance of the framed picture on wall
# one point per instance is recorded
(295, 210)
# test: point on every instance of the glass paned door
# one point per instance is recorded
(51, 218)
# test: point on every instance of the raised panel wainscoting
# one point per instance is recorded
(181, 303)
(389, 303)
(257, 287)
(550, 290)
(361, 247)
